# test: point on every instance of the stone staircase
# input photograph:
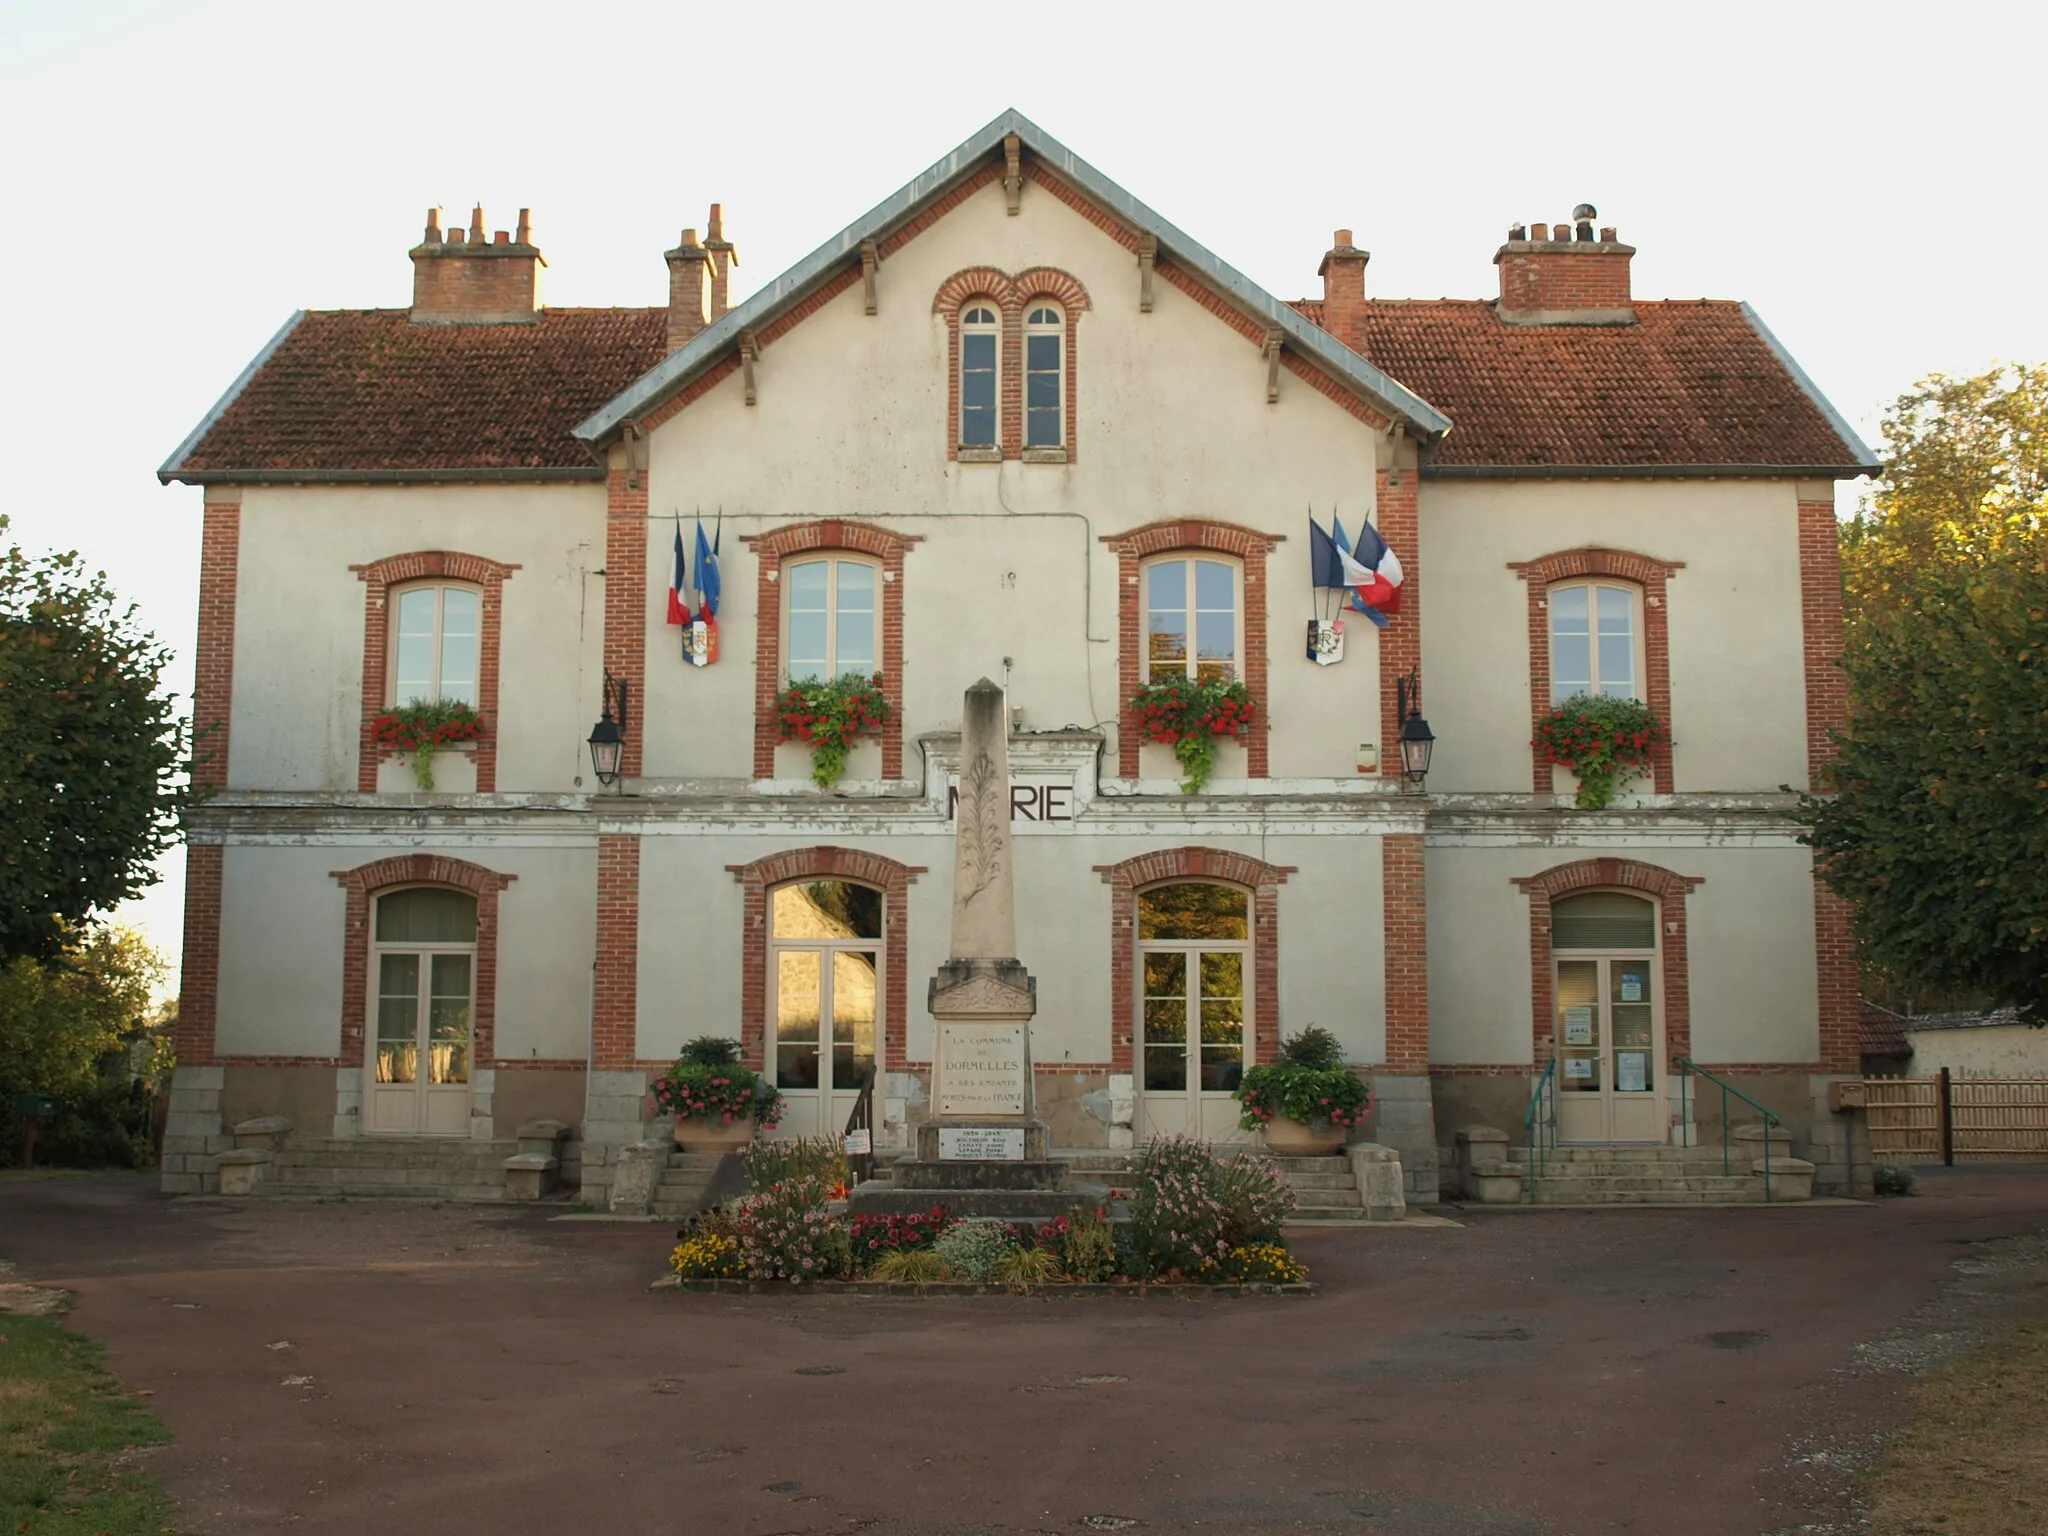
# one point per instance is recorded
(1650, 1176)
(1325, 1188)
(682, 1184)
(422, 1167)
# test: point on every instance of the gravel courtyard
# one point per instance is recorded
(350, 1366)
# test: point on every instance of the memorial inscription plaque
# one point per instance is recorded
(981, 1069)
(981, 1143)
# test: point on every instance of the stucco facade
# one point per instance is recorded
(1200, 419)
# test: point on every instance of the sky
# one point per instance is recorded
(179, 178)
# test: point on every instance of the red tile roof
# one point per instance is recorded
(366, 391)
(1691, 383)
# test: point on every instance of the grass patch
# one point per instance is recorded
(65, 1425)
(1974, 1461)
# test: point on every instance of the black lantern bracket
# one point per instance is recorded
(1416, 741)
(608, 736)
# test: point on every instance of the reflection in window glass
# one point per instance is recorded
(1191, 618)
(828, 909)
(799, 1008)
(1195, 910)
(435, 645)
(829, 606)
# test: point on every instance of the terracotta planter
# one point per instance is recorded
(696, 1134)
(1290, 1138)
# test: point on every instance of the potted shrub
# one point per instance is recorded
(718, 1104)
(1606, 742)
(1306, 1103)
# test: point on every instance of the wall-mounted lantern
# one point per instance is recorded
(1416, 739)
(608, 736)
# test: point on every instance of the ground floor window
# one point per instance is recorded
(423, 968)
(825, 959)
(1608, 1023)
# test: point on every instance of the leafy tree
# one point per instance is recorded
(91, 751)
(67, 1026)
(1937, 830)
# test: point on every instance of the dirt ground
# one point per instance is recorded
(351, 1366)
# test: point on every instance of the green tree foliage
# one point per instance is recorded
(1937, 830)
(91, 751)
(68, 1026)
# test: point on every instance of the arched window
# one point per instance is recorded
(978, 344)
(1595, 640)
(825, 959)
(1045, 337)
(1194, 940)
(829, 608)
(436, 635)
(1604, 947)
(423, 968)
(1192, 618)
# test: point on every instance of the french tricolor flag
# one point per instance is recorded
(1374, 571)
(678, 573)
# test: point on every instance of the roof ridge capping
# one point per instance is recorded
(788, 287)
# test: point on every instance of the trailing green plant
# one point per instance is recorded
(1022, 1269)
(970, 1250)
(786, 1233)
(813, 1159)
(909, 1266)
(829, 716)
(1606, 742)
(422, 728)
(1309, 1084)
(1191, 715)
(695, 1090)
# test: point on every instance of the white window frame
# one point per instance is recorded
(825, 949)
(832, 560)
(1638, 656)
(1190, 558)
(1055, 328)
(425, 950)
(993, 329)
(437, 688)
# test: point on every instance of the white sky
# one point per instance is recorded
(178, 178)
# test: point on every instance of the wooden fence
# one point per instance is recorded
(1956, 1119)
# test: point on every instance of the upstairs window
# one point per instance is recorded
(1191, 619)
(1045, 341)
(436, 642)
(1594, 641)
(830, 616)
(978, 338)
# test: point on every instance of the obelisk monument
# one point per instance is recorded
(982, 999)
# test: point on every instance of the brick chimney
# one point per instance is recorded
(723, 259)
(1343, 275)
(686, 289)
(1565, 276)
(467, 280)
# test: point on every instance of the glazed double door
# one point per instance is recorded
(1609, 1046)
(1192, 1053)
(825, 1011)
(419, 1064)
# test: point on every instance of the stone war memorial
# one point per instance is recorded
(984, 1151)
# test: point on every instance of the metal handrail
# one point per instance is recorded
(1539, 1129)
(1687, 1068)
(862, 1165)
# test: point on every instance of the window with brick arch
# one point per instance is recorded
(1045, 395)
(830, 605)
(1596, 640)
(436, 645)
(979, 345)
(1193, 618)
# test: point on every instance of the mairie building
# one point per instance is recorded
(1014, 424)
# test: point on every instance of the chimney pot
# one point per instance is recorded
(476, 225)
(524, 234)
(433, 226)
(723, 259)
(1607, 234)
(501, 237)
(455, 235)
(689, 237)
(715, 225)
(1539, 232)
(1341, 237)
(1518, 231)
(1343, 275)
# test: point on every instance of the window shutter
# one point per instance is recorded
(1603, 920)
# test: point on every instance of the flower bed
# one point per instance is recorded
(1198, 1222)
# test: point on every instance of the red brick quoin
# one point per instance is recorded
(1648, 574)
(1012, 298)
(1191, 535)
(1405, 952)
(368, 881)
(827, 863)
(1638, 879)
(1827, 702)
(430, 565)
(1169, 865)
(615, 980)
(772, 550)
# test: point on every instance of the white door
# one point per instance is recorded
(826, 986)
(1194, 947)
(423, 971)
(1610, 1024)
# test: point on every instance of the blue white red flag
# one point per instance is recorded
(1374, 571)
(707, 574)
(678, 582)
